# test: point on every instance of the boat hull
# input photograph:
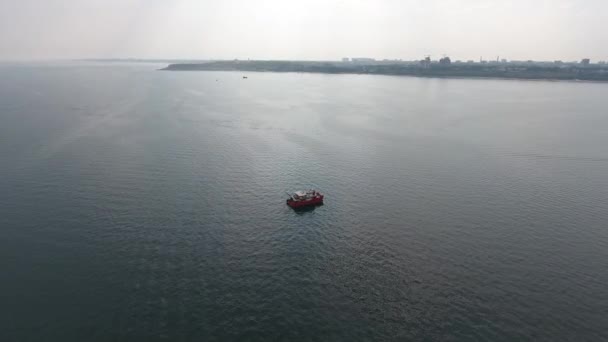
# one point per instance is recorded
(318, 200)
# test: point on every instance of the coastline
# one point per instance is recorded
(499, 72)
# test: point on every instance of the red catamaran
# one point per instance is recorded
(304, 199)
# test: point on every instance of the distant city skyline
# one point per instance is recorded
(567, 30)
(356, 59)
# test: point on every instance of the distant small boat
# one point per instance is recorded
(305, 199)
(244, 76)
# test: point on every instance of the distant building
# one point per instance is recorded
(585, 61)
(363, 60)
(445, 61)
(504, 60)
(345, 59)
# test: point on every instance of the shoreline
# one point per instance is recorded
(462, 77)
(465, 71)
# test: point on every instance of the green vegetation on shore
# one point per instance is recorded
(488, 70)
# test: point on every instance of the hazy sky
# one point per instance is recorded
(304, 29)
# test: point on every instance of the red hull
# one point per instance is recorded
(305, 203)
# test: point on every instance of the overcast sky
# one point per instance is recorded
(304, 29)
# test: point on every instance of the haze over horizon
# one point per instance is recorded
(303, 30)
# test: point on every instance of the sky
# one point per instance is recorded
(304, 29)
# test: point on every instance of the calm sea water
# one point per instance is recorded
(140, 205)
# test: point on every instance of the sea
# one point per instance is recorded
(147, 205)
